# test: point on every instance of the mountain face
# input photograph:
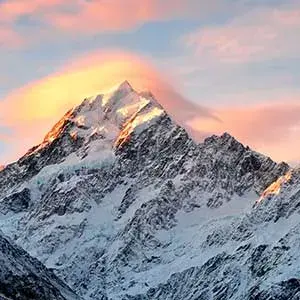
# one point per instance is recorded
(25, 278)
(123, 204)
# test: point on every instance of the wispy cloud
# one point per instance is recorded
(95, 16)
(258, 35)
(78, 17)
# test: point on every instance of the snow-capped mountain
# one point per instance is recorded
(123, 204)
(25, 278)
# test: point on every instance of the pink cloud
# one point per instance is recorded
(10, 10)
(109, 15)
(75, 17)
(258, 35)
(99, 16)
(270, 129)
(10, 39)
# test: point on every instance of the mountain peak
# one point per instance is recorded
(224, 140)
(125, 86)
(227, 136)
(111, 117)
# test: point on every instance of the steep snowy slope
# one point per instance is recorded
(124, 205)
(25, 278)
(253, 257)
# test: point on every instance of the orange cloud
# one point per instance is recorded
(258, 35)
(33, 109)
(270, 129)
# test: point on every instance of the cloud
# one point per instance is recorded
(10, 39)
(11, 14)
(12, 10)
(72, 18)
(258, 35)
(99, 16)
(95, 16)
(31, 110)
(270, 129)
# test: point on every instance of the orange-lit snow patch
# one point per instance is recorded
(74, 135)
(58, 127)
(55, 132)
(275, 187)
(124, 135)
(136, 121)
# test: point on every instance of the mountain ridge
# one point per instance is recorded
(25, 278)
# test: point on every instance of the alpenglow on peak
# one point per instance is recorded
(113, 116)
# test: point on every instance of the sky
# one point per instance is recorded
(216, 66)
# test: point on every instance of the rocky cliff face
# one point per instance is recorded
(123, 204)
(25, 278)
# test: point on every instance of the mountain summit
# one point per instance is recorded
(93, 128)
(112, 117)
(122, 204)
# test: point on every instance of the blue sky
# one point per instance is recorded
(236, 58)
